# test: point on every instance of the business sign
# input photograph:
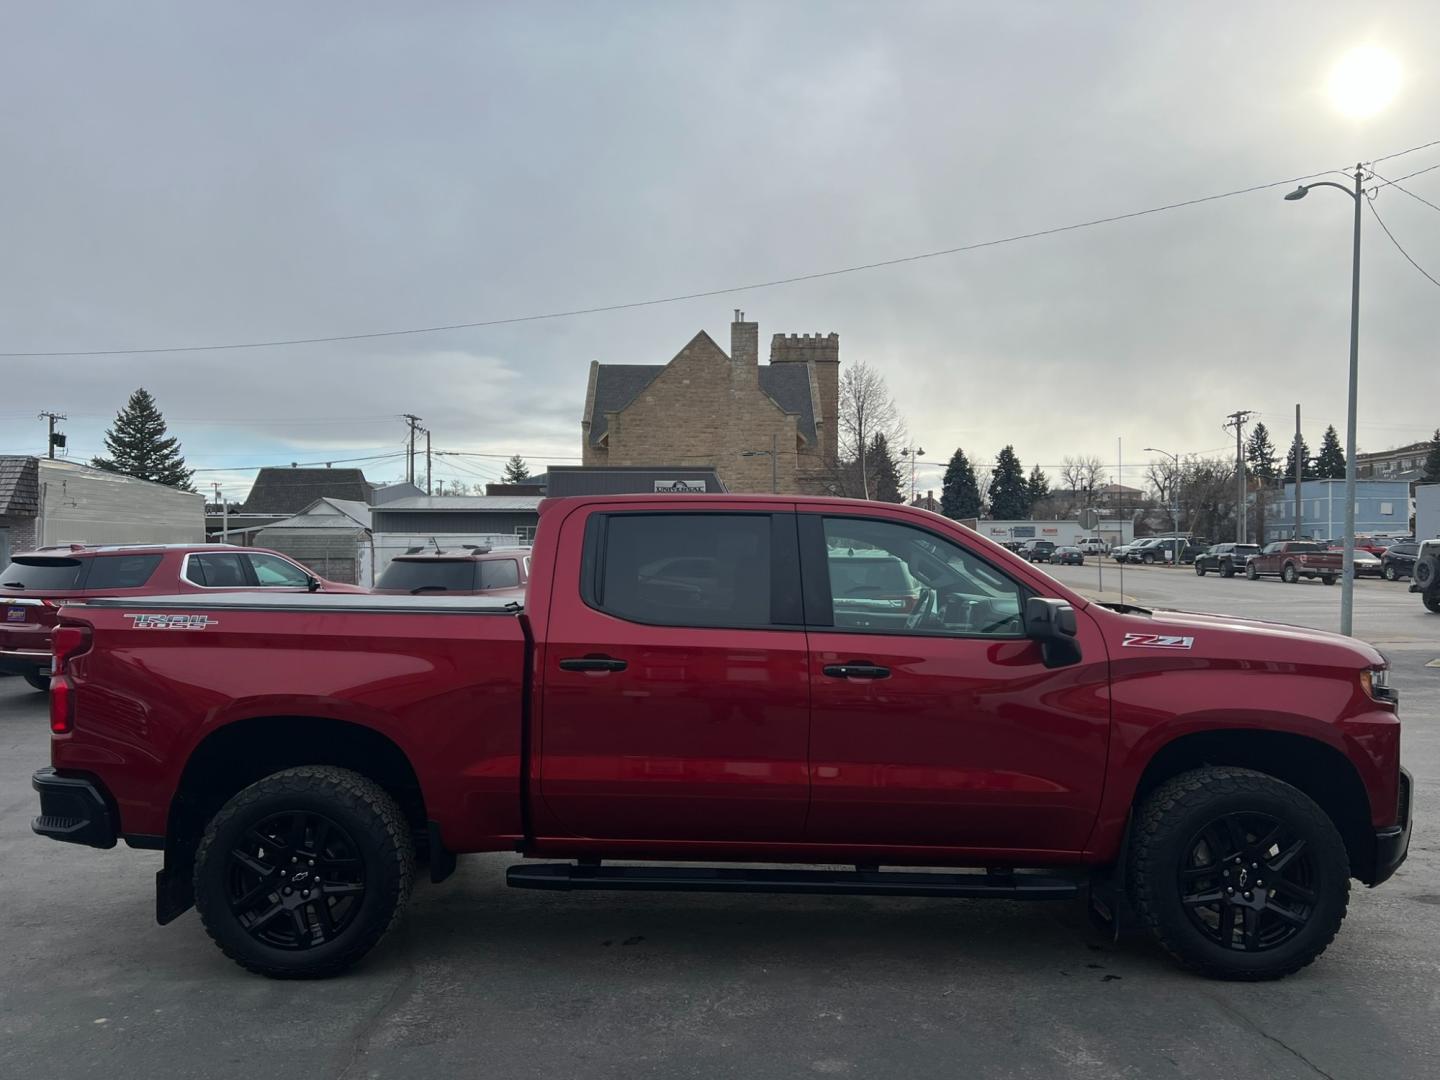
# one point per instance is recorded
(680, 487)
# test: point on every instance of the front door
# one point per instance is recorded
(675, 690)
(935, 721)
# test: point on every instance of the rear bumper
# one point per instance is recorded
(72, 809)
(1392, 843)
(24, 661)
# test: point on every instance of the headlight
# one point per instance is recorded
(1376, 683)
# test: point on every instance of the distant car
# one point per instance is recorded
(37, 583)
(1121, 552)
(1068, 556)
(1227, 560)
(1038, 550)
(1366, 563)
(1146, 551)
(465, 571)
(1092, 545)
(1399, 560)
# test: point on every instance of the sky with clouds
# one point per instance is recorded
(198, 173)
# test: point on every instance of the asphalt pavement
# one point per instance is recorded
(480, 980)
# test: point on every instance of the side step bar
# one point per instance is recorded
(1017, 886)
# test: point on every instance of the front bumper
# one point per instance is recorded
(1392, 843)
(72, 809)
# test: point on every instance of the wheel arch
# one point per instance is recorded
(1322, 772)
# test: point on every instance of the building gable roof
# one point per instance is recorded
(289, 491)
(19, 485)
(788, 385)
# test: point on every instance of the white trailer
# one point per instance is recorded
(1063, 533)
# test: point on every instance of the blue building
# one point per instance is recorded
(1382, 507)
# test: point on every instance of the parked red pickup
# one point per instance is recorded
(724, 680)
(1293, 559)
(37, 583)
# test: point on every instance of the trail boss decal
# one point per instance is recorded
(172, 622)
(1158, 641)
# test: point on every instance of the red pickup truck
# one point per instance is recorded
(732, 680)
(1293, 559)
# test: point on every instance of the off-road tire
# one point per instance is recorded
(383, 840)
(38, 681)
(1289, 574)
(1431, 600)
(1168, 820)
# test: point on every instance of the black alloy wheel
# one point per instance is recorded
(1247, 882)
(295, 880)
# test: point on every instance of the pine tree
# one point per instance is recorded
(1431, 475)
(139, 445)
(1330, 462)
(883, 471)
(960, 494)
(1009, 492)
(516, 471)
(1260, 456)
(1038, 485)
(1307, 466)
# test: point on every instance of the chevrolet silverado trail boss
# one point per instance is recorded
(728, 680)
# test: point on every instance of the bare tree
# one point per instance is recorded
(1083, 473)
(866, 410)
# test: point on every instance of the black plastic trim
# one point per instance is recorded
(144, 841)
(442, 859)
(72, 809)
(1392, 843)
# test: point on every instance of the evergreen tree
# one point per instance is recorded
(516, 471)
(882, 471)
(1260, 456)
(1330, 462)
(1009, 492)
(1038, 485)
(1431, 475)
(139, 445)
(959, 493)
(1307, 466)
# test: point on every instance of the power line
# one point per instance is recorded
(631, 305)
(1412, 262)
(1406, 191)
(1402, 153)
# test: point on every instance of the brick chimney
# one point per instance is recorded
(744, 352)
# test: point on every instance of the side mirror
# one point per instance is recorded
(1053, 624)
(312, 583)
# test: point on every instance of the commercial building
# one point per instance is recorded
(1382, 507)
(1402, 463)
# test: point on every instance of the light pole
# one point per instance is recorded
(1347, 572)
(1174, 493)
(774, 455)
(914, 454)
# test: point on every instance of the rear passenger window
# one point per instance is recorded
(686, 569)
(217, 571)
(499, 574)
(121, 571)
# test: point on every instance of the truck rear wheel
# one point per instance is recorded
(1238, 874)
(1327, 579)
(300, 874)
(1431, 600)
(1289, 574)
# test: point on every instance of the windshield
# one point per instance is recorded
(38, 572)
(429, 575)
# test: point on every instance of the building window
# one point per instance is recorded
(1387, 509)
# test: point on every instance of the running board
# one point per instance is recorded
(1017, 886)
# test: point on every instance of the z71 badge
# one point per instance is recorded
(1158, 641)
(172, 622)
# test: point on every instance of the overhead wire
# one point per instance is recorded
(1398, 246)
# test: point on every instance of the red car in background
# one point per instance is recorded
(468, 569)
(37, 583)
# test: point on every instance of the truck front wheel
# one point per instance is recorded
(1238, 874)
(300, 874)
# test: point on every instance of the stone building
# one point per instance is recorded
(730, 412)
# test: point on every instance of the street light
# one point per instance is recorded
(1347, 578)
(774, 455)
(1175, 493)
(914, 454)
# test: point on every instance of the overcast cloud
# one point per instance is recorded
(190, 173)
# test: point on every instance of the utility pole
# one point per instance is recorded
(1237, 421)
(1299, 470)
(427, 462)
(414, 423)
(914, 453)
(55, 438)
(224, 512)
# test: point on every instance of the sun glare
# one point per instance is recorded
(1364, 81)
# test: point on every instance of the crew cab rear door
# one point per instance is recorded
(674, 692)
(935, 722)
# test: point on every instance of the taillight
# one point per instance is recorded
(68, 641)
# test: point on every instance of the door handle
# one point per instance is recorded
(592, 663)
(856, 671)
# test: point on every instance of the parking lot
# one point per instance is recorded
(481, 980)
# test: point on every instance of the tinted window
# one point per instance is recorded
(686, 569)
(121, 571)
(271, 570)
(885, 576)
(217, 571)
(37, 573)
(499, 574)
(1406, 549)
(429, 575)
